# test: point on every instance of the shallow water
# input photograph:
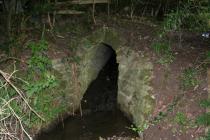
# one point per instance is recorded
(91, 127)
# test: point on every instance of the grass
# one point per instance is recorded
(203, 119)
(181, 119)
(190, 16)
(205, 103)
(160, 47)
(166, 59)
(189, 78)
(41, 93)
(163, 50)
(184, 122)
(160, 117)
(40, 90)
(207, 137)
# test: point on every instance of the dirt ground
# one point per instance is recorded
(166, 82)
(189, 52)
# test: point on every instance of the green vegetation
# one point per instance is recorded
(139, 129)
(205, 63)
(181, 118)
(32, 99)
(184, 122)
(203, 119)
(205, 103)
(189, 78)
(207, 137)
(38, 62)
(162, 115)
(33, 88)
(163, 49)
(159, 117)
(39, 92)
(192, 15)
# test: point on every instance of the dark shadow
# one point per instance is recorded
(101, 95)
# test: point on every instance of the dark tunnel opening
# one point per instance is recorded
(101, 94)
(101, 117)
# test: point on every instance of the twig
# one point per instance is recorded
(49, 21)
(93, 12)
(20, 93)
(54, 15)
(20, 121)
(8, 58)
(5, 131)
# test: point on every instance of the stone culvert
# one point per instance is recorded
(135, 73)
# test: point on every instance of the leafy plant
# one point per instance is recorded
(189, 78)
(48, 82)
(15, 109)
(139, 129)
(181, 118)
(39, 60)
(39, 89)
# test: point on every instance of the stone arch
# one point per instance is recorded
(93, 54)
(135, 73)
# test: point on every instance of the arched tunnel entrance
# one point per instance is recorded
(100, 115)
(101, 94)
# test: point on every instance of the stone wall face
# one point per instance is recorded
(135, 73)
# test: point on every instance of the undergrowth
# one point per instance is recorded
(181, 118)
(189, 78)
(139, 129)
(38, 62)
(35, 90)
(41, 81)
(184, 122)
(191, 15)
(204, 119)
(163, 50)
